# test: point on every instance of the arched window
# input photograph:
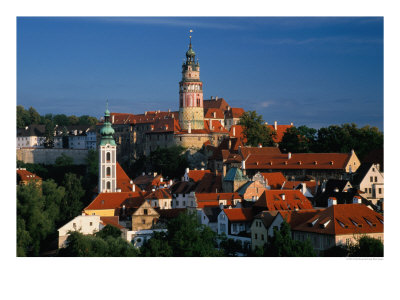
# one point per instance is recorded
(108, 156)
(108, 185)
(108, 171)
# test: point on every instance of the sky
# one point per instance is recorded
(314, 71)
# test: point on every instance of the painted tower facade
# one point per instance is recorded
(107, 157)
(191, 111)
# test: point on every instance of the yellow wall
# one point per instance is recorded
(101, 212)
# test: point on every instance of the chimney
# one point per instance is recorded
(224, 170)
(229, 144)
(133, 188)
(332, 201)
(112, 119)
(283, 196)
(190, 127)
(216, 98)
(143, 173)
(123, 210)
(187, 171)
(289, 155)
(211, 126)
(276, 125)
(26, 127)
(259, 146)
(233, 131)
(154, 174)
(212, 97)
(356, 200)
(118, 190)
(214, 114)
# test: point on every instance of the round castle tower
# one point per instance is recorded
(191, 111)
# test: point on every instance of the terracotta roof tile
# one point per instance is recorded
(283, 200)
(239, 214)
(159, 194)
(115, 200)
(344, 219)
(27, 176)
(197, 175)
(234, 112)
(274, 179)
(213, 113)
(114, 221)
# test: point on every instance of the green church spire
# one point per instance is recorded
(107, 131)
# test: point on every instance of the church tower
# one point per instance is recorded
(191, 111)
(107, 157)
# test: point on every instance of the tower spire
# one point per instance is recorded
(190, 38)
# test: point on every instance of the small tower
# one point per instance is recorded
(191, 109)
(107, 157)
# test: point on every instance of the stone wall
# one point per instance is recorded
(49, 156)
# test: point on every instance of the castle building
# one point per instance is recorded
(191, 111)
(107, 157)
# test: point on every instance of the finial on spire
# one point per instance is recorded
(190, 37)
(107, 104)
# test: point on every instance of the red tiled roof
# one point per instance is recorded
(280, 131)
(239, 214)
(260, 151)
(123, 181)
(220, 103)
(322, 161)
(234, 112)
(159, 194)
(273, 200)
(197, 175)
(294, 218)
(114, 221)
(274, 179)
(27, 176)
(344, 219)
(209, 113)
(210, 183)
(121, 118)
(115, 200)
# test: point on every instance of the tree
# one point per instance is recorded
(49, 135)
(23, 117)
(96, 246)
(337, 251)
(255, 130)
(72, 205)
(367, 247)
(230, 247)
(109, 230)
(171, 162)
(185, 237)
(33, 116)
(282, 244)
(64, 161)
(73, 120)
(61, 120)
(298, 139)
(87, 120)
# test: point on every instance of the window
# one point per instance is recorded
(108, 156)
(380, 190)
(177, 203)
(366, 190)
(108, 185)
(371, 179)
(108, 172)
(376, 179)
(184, 203)
(262, 237)
(145, 211)
(143, 221)
(91, 224)
(370, 190)
(74, 225)
(255, 236)
(234, 229)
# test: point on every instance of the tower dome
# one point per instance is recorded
(107, 131)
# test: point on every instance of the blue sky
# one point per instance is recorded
(313, 71)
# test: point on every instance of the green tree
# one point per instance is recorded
(337, 251)
(87, 120)
(49, 135)
(230, 247)
(367, 247)
(171, 162)
(72, 205)
(185, 237)
(96, 246)
(23, 118)
(109, 230)
(255, 130)
(33, 222)
(64, 161)
(157, 246)
(61, 120)
(281, 244)
(33, 116)
(73, 120)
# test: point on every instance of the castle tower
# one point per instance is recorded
(107, 157)
(191, 93)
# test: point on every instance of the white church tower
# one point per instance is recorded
(108, 157)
